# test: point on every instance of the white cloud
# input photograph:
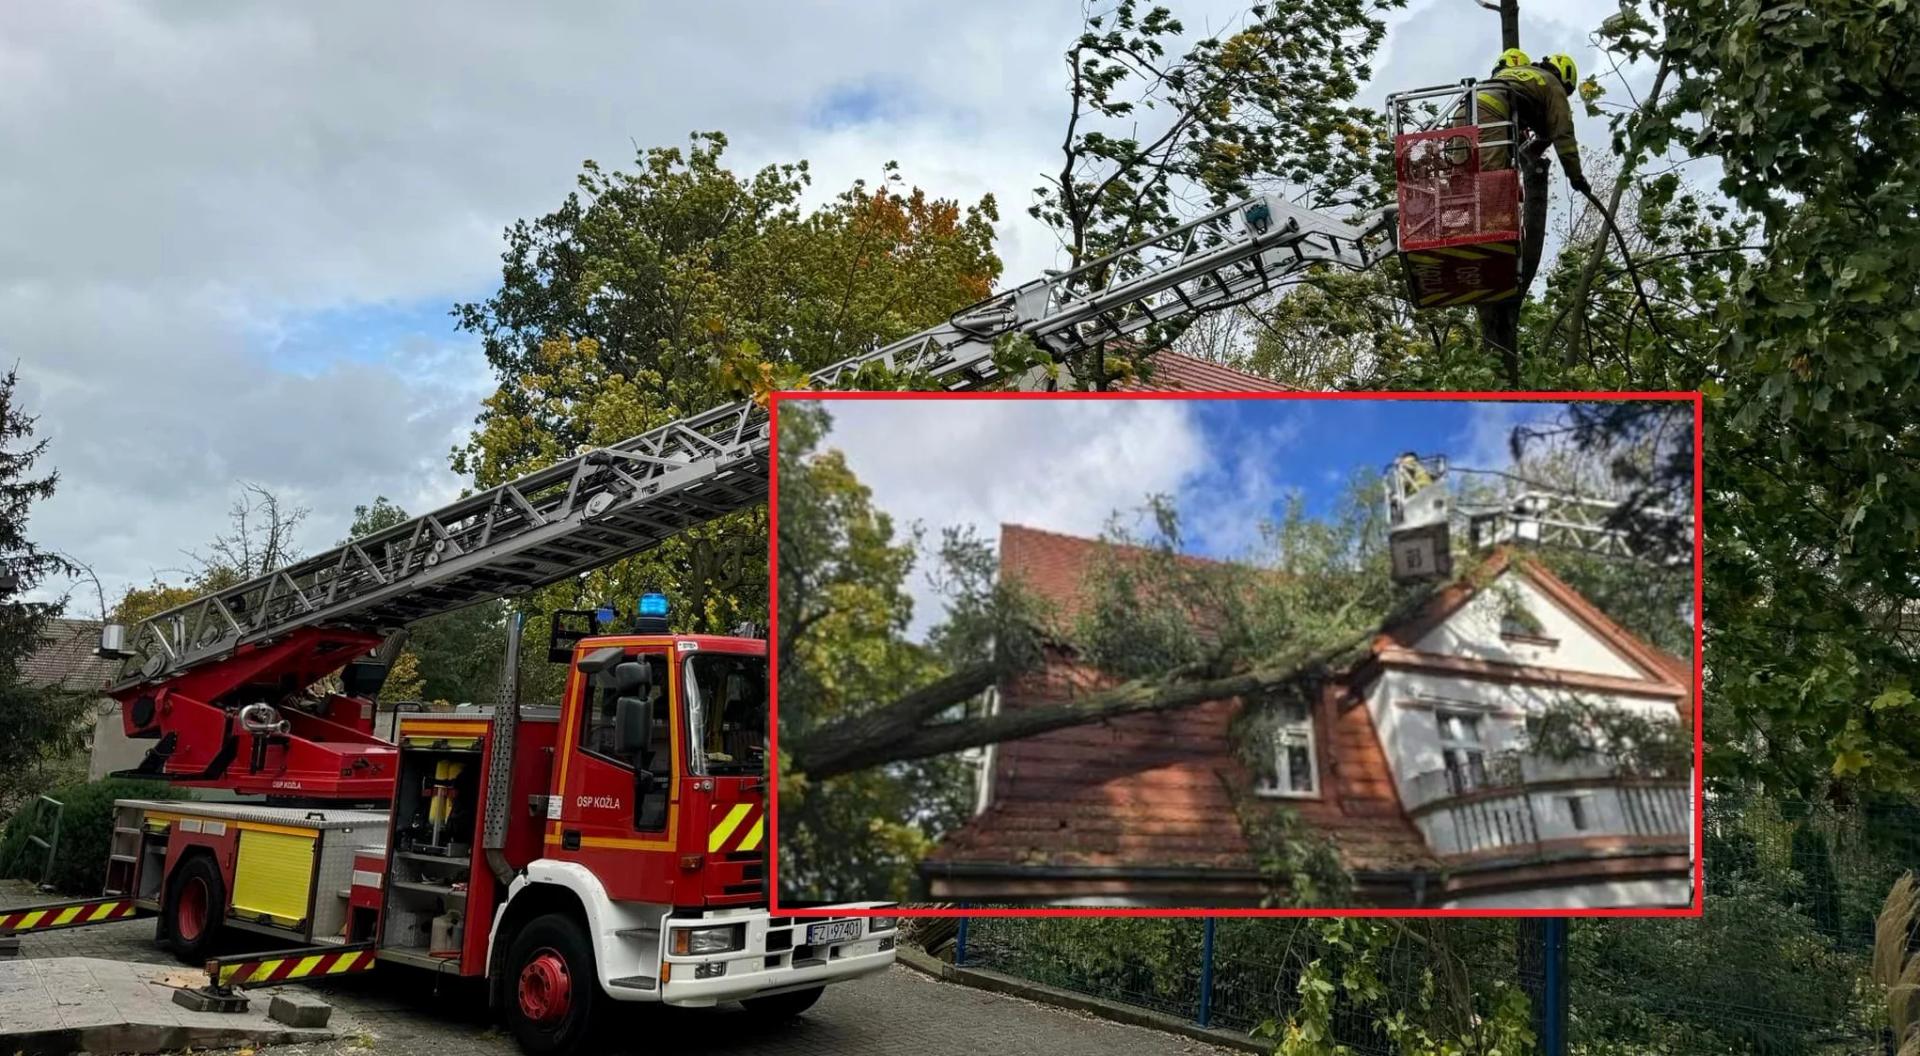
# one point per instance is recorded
(1059, 465)
(1224, 509)
(186, 184)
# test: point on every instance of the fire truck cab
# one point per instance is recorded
(634, 861)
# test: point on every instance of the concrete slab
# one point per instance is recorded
(69, 1004)
(300, 1010)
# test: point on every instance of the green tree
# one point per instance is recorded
(844, 613)
(1149, 132)
(652, 294)
(43, 723)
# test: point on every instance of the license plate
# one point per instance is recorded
(832, 931)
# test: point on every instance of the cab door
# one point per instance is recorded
(616, 813)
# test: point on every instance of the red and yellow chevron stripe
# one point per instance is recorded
(737, 827)
(67, 915)
(302, 964)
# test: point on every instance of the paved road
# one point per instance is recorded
(898, 1013)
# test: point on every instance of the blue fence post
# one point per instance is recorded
(1553, 938)
(1206, 975)
(960, 945)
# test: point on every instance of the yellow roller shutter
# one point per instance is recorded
(273, 876)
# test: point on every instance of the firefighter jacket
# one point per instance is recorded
(1543, 110)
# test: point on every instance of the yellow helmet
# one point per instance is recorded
(1511, 58)
(1569, 73)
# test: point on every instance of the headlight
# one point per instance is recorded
(696, 941)
(882, 924)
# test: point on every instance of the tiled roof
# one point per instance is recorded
(1172, 371)
(65, 657)
(1152, 791)
(1054, 566)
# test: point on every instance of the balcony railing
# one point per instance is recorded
(1511, 803)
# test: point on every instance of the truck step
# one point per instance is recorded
(635, 982)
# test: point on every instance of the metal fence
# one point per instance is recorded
(1777, 964)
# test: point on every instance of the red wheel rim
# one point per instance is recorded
(191, 910)
(546, 990)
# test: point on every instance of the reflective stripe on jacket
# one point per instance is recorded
(1543, 109)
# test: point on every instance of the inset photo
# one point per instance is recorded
(1279, 653)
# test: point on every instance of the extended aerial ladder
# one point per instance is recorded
(221, 682)
(1422, 512)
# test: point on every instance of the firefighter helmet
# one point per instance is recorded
(1511, 58)
(1563, 65)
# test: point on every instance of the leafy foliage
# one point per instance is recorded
(1347, 976)
(843, 611)
(1147, 133)
(652, 294)
(1570, 726)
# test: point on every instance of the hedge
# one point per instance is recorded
(86, 830)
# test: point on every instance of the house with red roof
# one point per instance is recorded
(1412, 765)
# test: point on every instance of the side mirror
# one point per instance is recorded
(632, 726)
(631, 677)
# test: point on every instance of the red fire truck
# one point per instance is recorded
(609, 846)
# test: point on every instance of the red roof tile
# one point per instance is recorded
(1171, 371)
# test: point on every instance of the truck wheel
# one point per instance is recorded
(194, 908)
(551, 988)
(784, 1006)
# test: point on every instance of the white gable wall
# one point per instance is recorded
(1405, 704)
(1474, 632)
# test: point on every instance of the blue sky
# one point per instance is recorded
(1269, 450)
(1070, 465)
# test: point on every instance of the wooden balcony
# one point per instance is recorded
(1522, 809)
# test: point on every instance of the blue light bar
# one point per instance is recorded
(653, 605)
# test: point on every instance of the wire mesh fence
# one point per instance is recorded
(1777, 964)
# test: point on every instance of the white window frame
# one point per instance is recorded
(1473, 720)
(1278, 782)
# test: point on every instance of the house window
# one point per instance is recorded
(1294, 771)
(1462, 751)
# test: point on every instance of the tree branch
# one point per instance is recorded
(841, 746)
(850, 745)
(1599, 250)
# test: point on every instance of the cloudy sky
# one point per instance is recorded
(234, 230)
(1069, 465)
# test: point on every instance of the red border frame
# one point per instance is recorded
(773, 680)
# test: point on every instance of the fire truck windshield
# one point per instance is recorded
(727, 713)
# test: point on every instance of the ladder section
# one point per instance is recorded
(1597, 526)
(613, 502)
